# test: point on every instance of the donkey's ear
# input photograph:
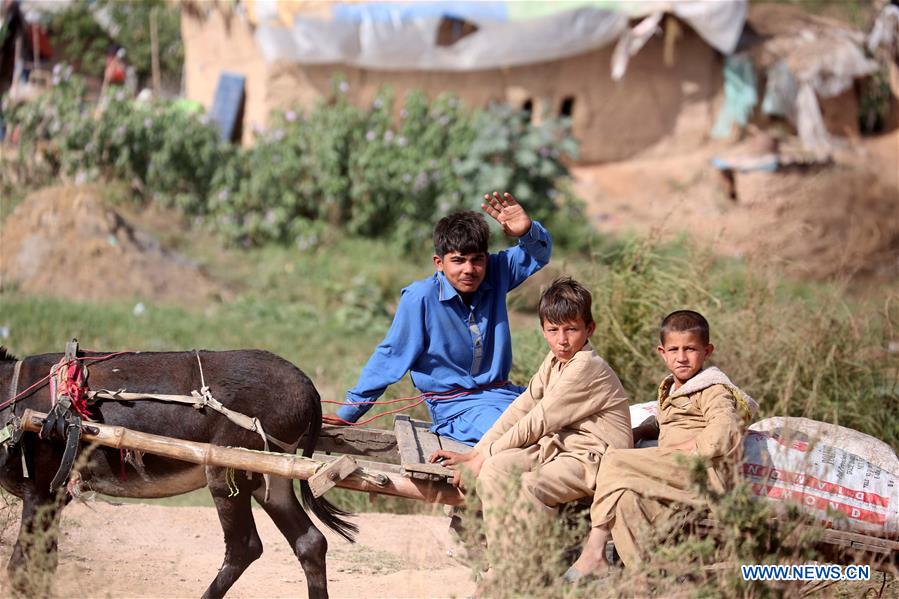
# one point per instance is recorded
(5, 355)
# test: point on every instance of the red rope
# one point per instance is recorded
(416, 400)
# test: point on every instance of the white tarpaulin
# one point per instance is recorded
(402, 35)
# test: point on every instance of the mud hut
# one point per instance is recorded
(557, 58)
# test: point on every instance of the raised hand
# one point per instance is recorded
(508, 213)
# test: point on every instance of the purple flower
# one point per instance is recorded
(370, 135)
(344, 87)
(223, 195)
(378, 103)
(290, 116)
(401, 141)
(544, 152)
(278, 134)
(388, 136)
(444, 120)
(120, 96)
(148, 122)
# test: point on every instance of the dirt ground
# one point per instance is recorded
(138, 550)
(815, 221)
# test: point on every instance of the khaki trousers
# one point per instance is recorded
(544, 486)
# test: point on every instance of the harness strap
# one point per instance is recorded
(197, 400)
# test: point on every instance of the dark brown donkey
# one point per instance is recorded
(254, 383)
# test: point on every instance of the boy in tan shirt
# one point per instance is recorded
(555, 433)
(700, 413)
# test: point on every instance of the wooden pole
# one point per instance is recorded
(35, 47)
(263, 462)
(154, 53)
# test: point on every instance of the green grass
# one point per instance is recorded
(817, 350)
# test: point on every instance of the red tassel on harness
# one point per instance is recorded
(69, 379)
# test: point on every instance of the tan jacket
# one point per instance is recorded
(578, 407)
(706, 409)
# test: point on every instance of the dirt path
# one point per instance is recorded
(141, 550)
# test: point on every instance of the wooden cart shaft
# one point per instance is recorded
(369, 480)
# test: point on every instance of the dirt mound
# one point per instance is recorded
(816, 221)
(835, 221)
(65, 242)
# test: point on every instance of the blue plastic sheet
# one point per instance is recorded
(740, 95)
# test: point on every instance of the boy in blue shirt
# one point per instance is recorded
(451, 330)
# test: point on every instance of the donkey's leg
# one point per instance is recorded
(242, 543)
(308, 544)
(34, 557)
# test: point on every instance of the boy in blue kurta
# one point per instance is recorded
(451, 330)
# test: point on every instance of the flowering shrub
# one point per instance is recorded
(371, 172)
(152, 144)
(379, 172)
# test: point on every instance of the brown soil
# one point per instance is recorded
(65, 242)
(138, 550)
(816, 221)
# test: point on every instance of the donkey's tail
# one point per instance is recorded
(331, 516)
(328, 513)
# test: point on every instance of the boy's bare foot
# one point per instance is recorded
(586, 568)
(592, 562)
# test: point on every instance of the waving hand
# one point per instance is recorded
(508, 213)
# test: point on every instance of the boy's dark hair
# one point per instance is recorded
(464, 232)
(565, 300)
(685, 321)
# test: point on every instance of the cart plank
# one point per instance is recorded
(416, 443)
(368, 442)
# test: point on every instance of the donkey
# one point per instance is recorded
(251, 382)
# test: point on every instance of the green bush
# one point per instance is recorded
(373, 172)
(154, 145)
(376, 174)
